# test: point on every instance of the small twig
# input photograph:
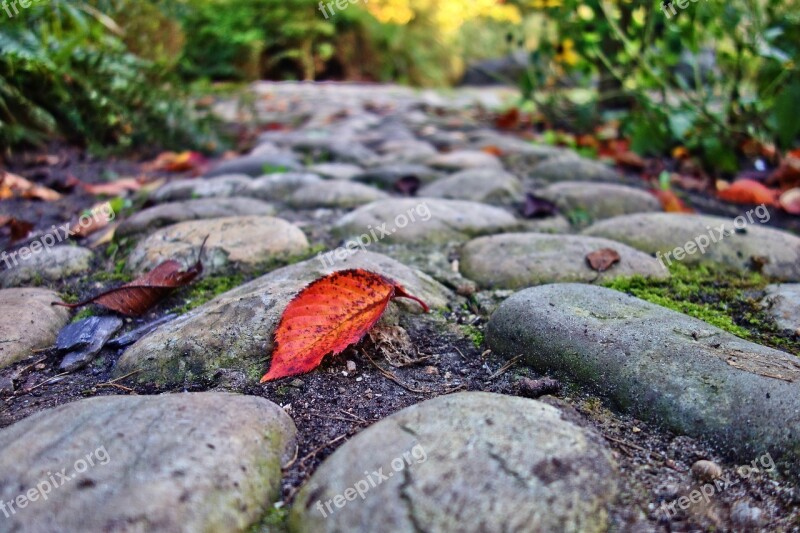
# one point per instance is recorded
(332, 417)
(318, 449)
(293, 459)
(460, 353)
(45, 382)
(353, 415)
(388, 375)
(505, 367)
(129, 374)
(23, 369)
(116, 385)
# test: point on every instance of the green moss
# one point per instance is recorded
(474, 334)
(273, 521)
(725, 299)
(83, 313)
(207, 289)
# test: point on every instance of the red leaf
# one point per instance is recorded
(13, 186)
(327, 316)
(603, 259)
(749, 192)
(136, 297)
(19, 229)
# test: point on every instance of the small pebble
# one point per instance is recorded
(745, 516)
(431, 370)
(297, 383)
(351, 366)
(706, 470)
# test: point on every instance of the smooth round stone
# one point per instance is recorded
(571, 168)
(234, 330)
(256, 165)
(175, 462)
(516, 150)
(599, 200)
(659, 365)
(424, 220)
(28, 322)
(386, 176)
(774, 252)
(49, 264)
(336, 171)
(464, 159)
(233, 242)
(554, 224)
(466, 462)
(171, 213)
(276, 187)
(517, 260)
(477, 185)
(783, 303)
(407, 151)
(216, 187)
(335, 194)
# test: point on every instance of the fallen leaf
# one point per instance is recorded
(136, 297)
(603, 259)
(493, 150)
(176, 162)
(92, 220)
(113, 188)
(671, 203)
(408, 185)
(790, 201)
(749, 192)
(536, 207)
(18, 229)
(787, 175)
(508, 120)
(327, 316)
(13, 186)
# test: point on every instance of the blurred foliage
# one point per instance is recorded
(66, 70)
(706, 75)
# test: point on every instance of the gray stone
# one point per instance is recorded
(571, 168)
(776, 253)
(341, 194)
(50, 264)
(517, 260)
(478, 185)
(177, 462)
(257, 165)
(171, 213)
(599, 200)
(464, 159)
(336, 171)
(407, 151)
(554, 224)
(28, 322)
(235, 329)
(783, 303)
(233, 242)
(216, 187)
(386, 176)
(658, 365)
(471, 462)
(425, 220)
(278, 187)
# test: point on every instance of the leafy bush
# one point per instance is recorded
(65, 70)
(710, 77)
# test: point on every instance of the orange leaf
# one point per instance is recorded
(748, 192)
(114, 188)
(671, 203)
(327, 316)
(13, 186)
(136, 297)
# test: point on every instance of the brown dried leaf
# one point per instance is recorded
(603, 259)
